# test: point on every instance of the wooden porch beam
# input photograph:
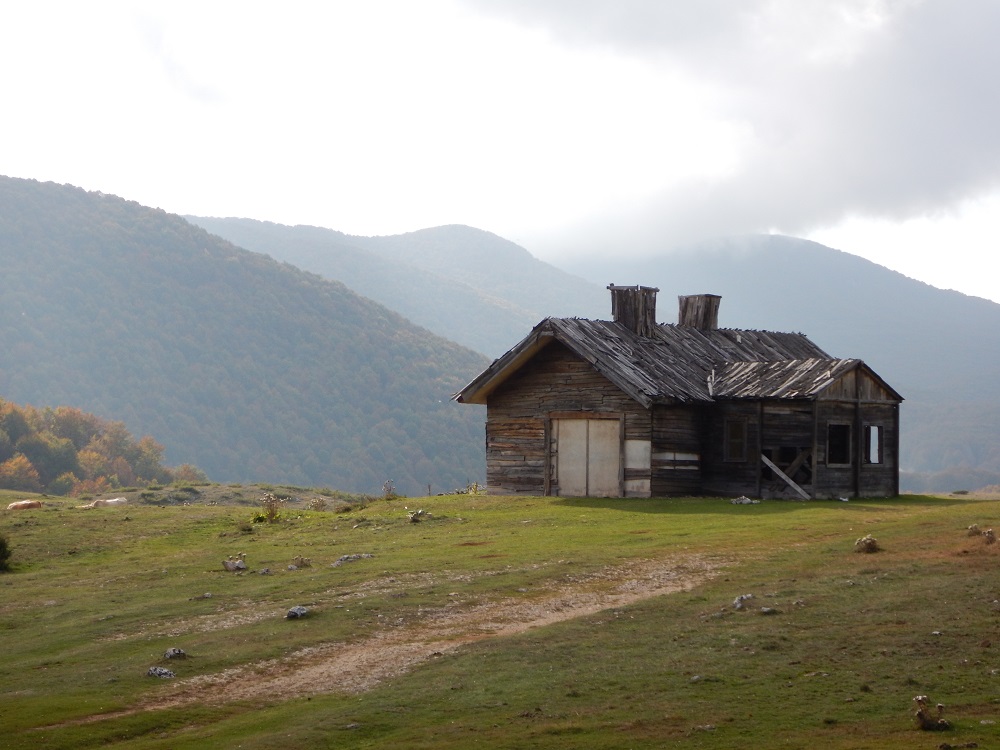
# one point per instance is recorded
(788, 480)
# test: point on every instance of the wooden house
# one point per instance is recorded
(632, 408)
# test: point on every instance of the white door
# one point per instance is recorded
(588, 457)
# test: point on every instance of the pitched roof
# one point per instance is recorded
(676, 363)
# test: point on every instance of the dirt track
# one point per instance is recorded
(359, 666)
(393, 650)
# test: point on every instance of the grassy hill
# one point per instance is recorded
(501, 622)
(246, 367)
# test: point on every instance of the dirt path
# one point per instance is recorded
(391, 651)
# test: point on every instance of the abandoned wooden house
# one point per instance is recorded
(632, 408)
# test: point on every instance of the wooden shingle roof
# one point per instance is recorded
(677, 364)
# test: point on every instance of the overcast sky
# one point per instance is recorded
(568, 126)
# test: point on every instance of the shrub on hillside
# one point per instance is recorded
(271, 506)
(4, 554)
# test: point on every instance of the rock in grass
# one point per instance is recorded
(160, 672)
(175, 653)
(740, 602)
(350, 558)
(296, 612)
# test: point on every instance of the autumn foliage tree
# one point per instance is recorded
(17, 473)
(68, 451)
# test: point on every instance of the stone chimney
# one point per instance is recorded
(634, 307)
(699, 311)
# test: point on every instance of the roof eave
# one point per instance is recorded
(504, 367)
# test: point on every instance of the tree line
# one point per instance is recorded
(66, 451)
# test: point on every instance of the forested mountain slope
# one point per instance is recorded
(468, 285)
(246, 367)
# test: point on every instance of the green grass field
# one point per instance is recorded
(96, 597)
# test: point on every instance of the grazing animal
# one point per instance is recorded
(24, 504)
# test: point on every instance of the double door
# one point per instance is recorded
(588, 460)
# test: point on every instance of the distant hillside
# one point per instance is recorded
(468, 285)
(248, 368)
(940, 349)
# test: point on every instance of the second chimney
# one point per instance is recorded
(634, 307)
(699, 311)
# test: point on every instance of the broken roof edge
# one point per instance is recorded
(798, 373)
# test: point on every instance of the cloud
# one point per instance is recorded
(878, 109)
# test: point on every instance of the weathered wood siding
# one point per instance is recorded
(678, 440)
(682, 449)
(722, 476)
(856, 385)
(858, 478)
(518, 413)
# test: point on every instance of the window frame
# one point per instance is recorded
(847, 449)
(742, 440)
(878, 432)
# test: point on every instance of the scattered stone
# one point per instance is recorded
(165, 674)
(768, 611)
(744, 500)
(233, 564)
(740, 602)
(867, 544)
(351, 558)
(296, 612)
(293, 566)
(175, 653)
(264, 571)
(206, 595)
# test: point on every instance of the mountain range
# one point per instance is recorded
(332, 361)
(939, 348)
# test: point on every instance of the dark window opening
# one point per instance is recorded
(838, 444)
(873, 444)
(736, 440)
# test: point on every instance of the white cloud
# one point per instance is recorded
(567, 125)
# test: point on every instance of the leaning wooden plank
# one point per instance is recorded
(788, 480)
